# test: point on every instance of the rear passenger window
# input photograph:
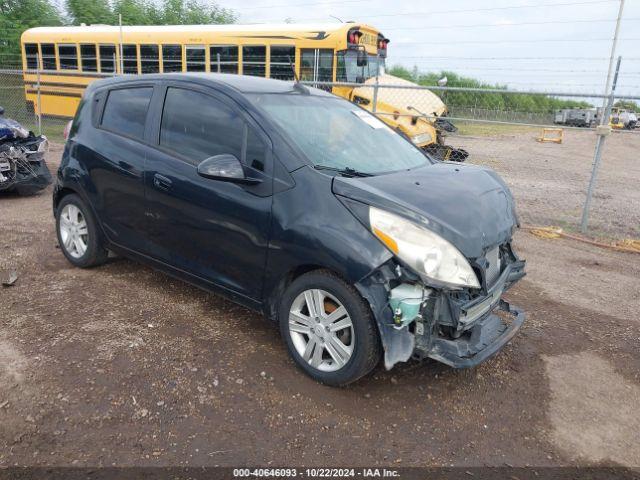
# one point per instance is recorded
(130, 59)
(197, 126)
(254, 59)
(282, 62)
(195, 58)
(224, 58)
(171, 58)
(126, 110)
(149, 59)
(88, 57)
(107, 58)
(68, 56)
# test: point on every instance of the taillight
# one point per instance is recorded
(67, 130)
(353, 37)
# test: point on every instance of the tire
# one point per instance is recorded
(358, 350)
(73, 210)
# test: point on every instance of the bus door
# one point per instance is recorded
(316, 65)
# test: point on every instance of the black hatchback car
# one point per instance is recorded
(298, 204)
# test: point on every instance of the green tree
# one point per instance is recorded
(90, 12)
(192, 12)
(627, 105)
(137, 12)
(18, 15)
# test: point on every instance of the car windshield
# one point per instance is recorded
(349, 71)
(336, 134)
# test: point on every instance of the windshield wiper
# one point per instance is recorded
(347, 171)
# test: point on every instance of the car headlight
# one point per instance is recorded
(427, 253)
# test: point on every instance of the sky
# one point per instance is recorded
(540, 45)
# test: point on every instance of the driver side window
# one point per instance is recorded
(197, 126)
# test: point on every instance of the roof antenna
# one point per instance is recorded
(296, 84)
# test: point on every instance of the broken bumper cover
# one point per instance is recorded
(460, 332)
(22, 165)
(482, 341)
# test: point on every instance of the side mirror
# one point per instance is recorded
(225, 167)
(362, 60)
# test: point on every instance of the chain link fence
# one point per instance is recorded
(501, 129)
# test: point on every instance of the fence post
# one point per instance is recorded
(121, 42)
(597, 156)
(38, 97)
(376, 86)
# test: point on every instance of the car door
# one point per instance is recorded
(216, 230)
(114, 157)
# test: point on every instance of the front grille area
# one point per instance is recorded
(493, 268)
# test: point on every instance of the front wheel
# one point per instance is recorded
(329, 329)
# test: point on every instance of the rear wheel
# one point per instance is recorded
(78, 235)
(329, 329)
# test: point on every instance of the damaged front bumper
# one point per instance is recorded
(22, 165)
(459, 328)
(485, 339)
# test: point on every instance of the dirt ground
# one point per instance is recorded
(550, 180)
(122, 365)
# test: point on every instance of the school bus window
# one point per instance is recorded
(31, 53)
(48, 51)
(171, 58)
(107, 58)
(282, 59)
(195, 58)
(89, 57)
(228, 58)
(130, 58)
(68, 57)
(149, 59)
(254, 60)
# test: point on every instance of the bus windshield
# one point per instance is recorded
(349, 71)
(335, 134)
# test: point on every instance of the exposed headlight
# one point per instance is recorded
(428, 254)
(422, 138)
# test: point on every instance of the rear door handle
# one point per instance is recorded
(161, 182)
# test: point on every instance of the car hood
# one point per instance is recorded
(468, 205)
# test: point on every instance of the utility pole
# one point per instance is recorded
(612, 56)
(603, 129)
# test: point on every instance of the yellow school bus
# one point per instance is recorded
(61, 61)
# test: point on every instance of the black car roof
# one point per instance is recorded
(240, 83)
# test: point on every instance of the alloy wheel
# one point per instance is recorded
(321, 330)
(74, 232)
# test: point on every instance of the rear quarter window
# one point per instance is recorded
(125, 111)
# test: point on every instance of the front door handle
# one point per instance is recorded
(161, 182)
